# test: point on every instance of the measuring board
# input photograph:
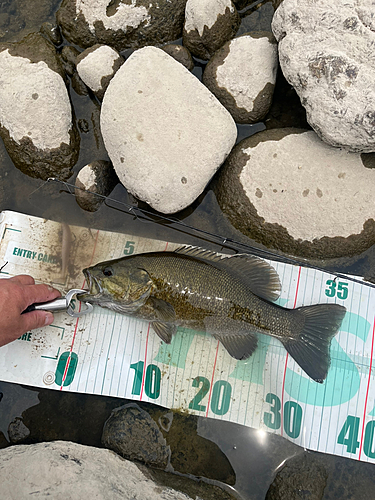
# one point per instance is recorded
(115, 355)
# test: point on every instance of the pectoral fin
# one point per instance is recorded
(235, 336)
(164, 330)
(164, 325)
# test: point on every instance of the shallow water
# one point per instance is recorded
(254, 455)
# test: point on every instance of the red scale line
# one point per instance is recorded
(287, 356)
(367, 391)
(212, 378)
(144, 364)
(75, 329)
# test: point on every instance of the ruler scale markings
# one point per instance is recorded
(144, 364)
(76, 326)
(367, 390)
(212, 378)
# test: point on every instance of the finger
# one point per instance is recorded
(23, 279)
(36, 319)
(39, 293)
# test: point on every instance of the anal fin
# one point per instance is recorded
(236, 337)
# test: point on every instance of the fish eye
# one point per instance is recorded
(107, 271)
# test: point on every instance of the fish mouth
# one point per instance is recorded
(95, 289)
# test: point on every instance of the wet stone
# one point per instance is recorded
(132, 433)
(121, 24)
(180, 53)
(301, 478)
(98, 177)
(290, 191)
(52, 32)
(17, 431)
(36, 116)
(244, 89)
(96, 67)
(208, 25)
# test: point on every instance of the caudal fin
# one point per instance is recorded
(311, 348)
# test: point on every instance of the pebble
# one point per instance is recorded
(245, 90)
(208, 25)
(97, 177)
(96, 67)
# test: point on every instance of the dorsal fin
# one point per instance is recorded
(259, 276)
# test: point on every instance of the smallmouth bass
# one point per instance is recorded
(229, 297)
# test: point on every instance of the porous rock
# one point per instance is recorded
(165, 132)
(132, 433)
(121, 24)
(208, 25)
(326, 53)
(180, 53)
(291, 191)
(100, 179)
(62, 469)
(96, 67)
(35, 112)
(244, 89)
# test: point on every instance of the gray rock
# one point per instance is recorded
(291, 191)
(97, 177)
(52, 32)
(244, 89)
(164, 131)
(326, 53)
(62, 469)
(302, 478)
(122, 24)
(17, 431)
(208, 25)
(35, 111)
(132, 433)
(180, 53)
(96, 67)
(69, 56)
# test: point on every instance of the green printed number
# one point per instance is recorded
(221, 394)
(337, 289)
(349, 434)
(194, 403)
(152, 380)
(129, 247)
(272, 419)
(292, 416)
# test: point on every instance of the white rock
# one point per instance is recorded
(34, 102)
(164, 131)
(244, 89)
(201, 13)
(289, 190)
(326, 52)
(63, 470)
(208, 25)
(97, 65)
(309, 187)
(126, 14)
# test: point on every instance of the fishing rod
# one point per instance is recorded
(237, 246)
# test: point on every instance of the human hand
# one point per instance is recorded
(16, 294)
